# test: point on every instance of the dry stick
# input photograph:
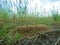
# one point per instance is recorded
(57, 41)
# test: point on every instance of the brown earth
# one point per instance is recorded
(48, 38)
(33, 30)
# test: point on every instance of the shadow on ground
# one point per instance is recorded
(47, 38)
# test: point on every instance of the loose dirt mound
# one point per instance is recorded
(48, 38)
(32, 30)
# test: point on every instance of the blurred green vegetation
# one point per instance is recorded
(7, 24)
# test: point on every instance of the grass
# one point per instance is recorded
(26, 20)
(9, 25)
